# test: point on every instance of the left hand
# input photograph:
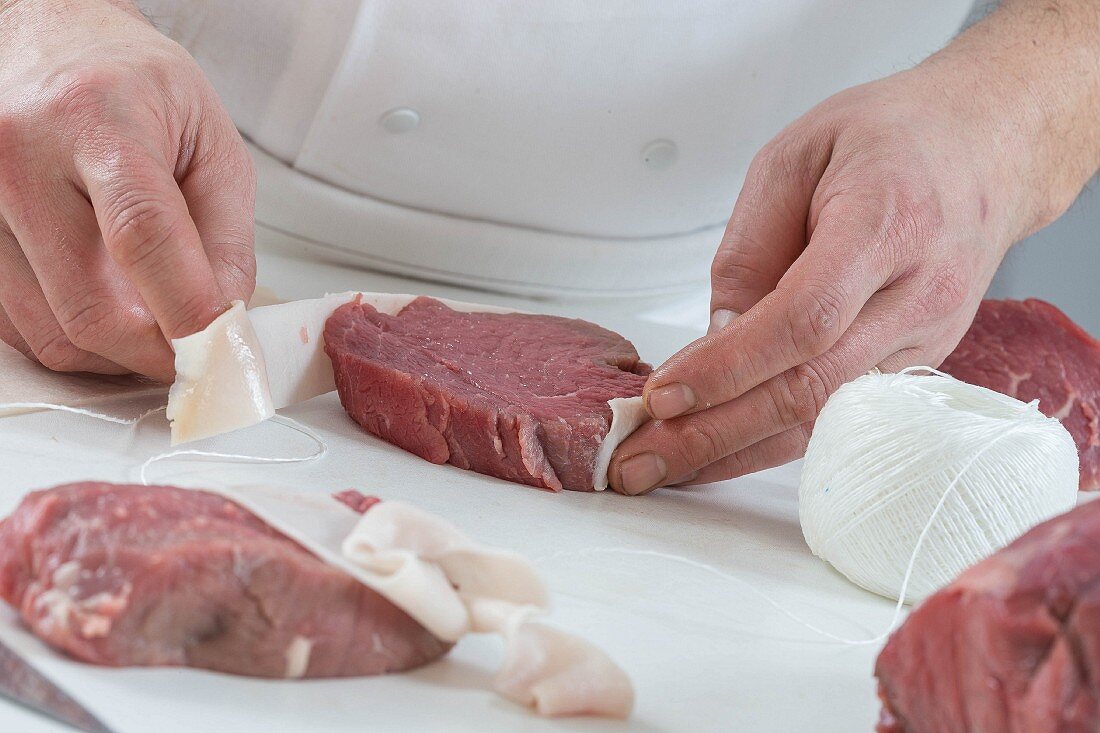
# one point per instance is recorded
(865, 236)
(126, 193)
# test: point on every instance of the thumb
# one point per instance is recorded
(768, 229)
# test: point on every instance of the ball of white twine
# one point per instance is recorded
(909, 479)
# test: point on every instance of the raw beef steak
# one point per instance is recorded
(155, 575)
(1013, 644)
(520, 397)
(1031, 350)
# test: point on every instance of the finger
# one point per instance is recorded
(781, 449)
(767, 231)
(30, 316)
(10, 335)
(778, 450)
(665, 451)
(94, 302)
(220, 189)
(768, 453)
(812, 307)
(149, 232)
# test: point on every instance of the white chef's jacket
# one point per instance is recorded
(530, 146)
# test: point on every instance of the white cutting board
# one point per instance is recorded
(704, 654)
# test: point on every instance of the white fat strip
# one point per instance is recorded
(247, 364)
(297, 657)
(453, 586)
(499, 592)
(627, 415)
(221, 379)
(557, 673)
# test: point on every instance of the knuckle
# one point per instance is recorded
(816, 318)
(19, 345)
(228, 154)
(239, 264)
(731, 373)
(12, 338)
(700, 443)
(735, 263)
(776, 159)
(914, 217)
(191, 312)
(946, 291)
(737, 465)
(800, 394)
(161, 65)
(93, 323)
(80, 91)
(795, 155)
(766, 159)
(138, 228)
(57, 353)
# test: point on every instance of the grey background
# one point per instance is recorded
(1061, 263)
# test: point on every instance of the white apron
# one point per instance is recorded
(548, 147)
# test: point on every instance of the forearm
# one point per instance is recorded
(30, 31)
(1036, 63)
(10, 8)
(19, 16)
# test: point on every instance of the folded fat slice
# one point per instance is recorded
(221, 379)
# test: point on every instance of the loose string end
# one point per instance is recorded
(321, 450)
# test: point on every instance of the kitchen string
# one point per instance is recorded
(320, 450)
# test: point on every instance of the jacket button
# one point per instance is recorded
(659, 155)
(400, 119)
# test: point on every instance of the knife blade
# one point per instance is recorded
(24, 684)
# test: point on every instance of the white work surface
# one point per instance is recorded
(705, 654)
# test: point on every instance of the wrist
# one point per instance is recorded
(16, 14)
(68, 5)
(1029, 77)
(34, 31)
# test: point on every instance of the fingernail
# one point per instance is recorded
(669, 401)
(642, 472)
(721, 318)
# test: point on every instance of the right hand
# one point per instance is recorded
(126, 193)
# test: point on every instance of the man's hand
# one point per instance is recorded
(126, 193)
(865, 236)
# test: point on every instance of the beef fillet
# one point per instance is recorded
(520, 397)
(155, 575)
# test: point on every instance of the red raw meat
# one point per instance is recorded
(154, 575)
(357, 501)
(1012, 645)
(521, 397)
(1031, 350)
